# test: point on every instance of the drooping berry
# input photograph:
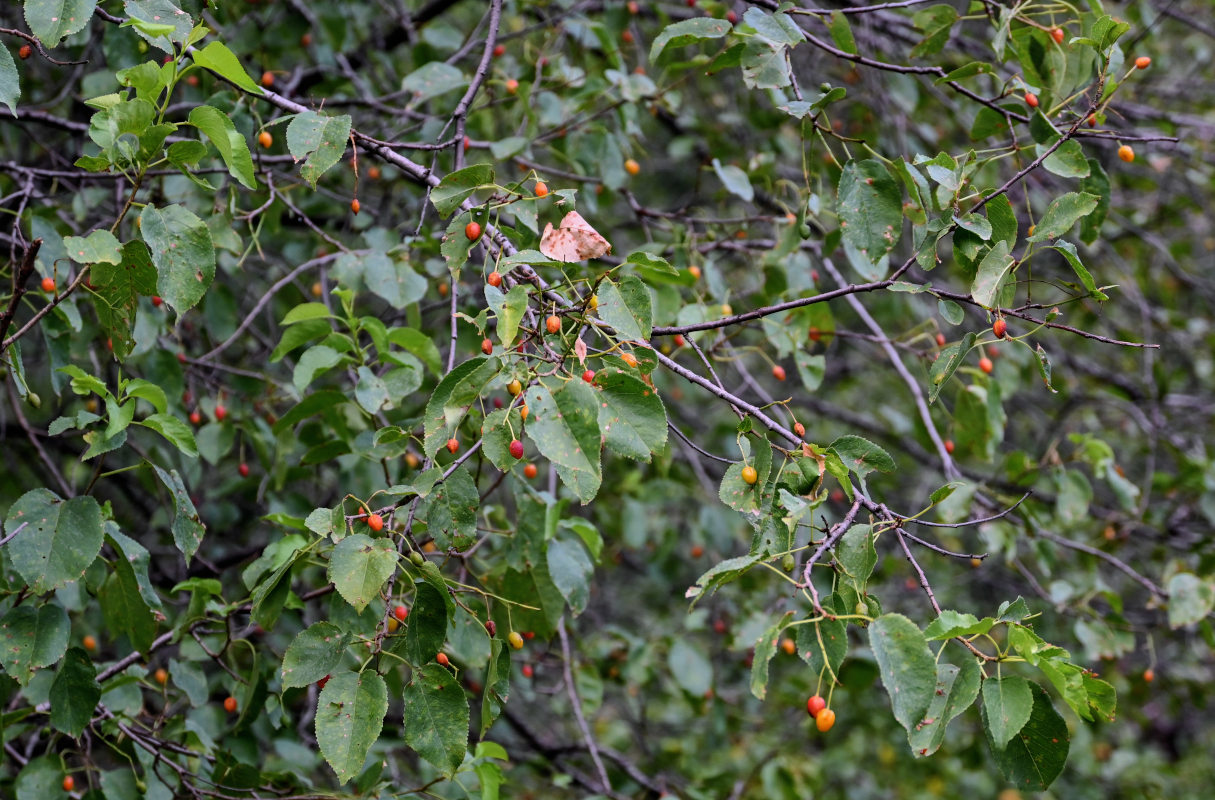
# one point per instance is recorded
(516, 449)
(999, 327)
(749, 475)
(473, 231)
(375, 522)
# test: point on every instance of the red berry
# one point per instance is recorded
(949, 446)
(999, 328)
(230, 704)
(516, 449)
(940, 340)
(453, 444)
(986, 365)
(530, 471)
(243, 469)
(267, 78)
(778, 372)
(401, 613)
(48, 284)
(1143, 62)
(527, 670)
(1031, 99)
(1057, 35)
(487, 347)
(588, 376)
(720, 627)
(679, 340)
(1149, 675)
(354, 205)
(375, 522)
(473, 231)
(697, 551)
(181, 357)
(24, 52)
(195, 418)
(220, 412)
(491, 628)
(442, 659)
(731, 17)
(512, 86)
(157, 301)
(69, 783)
(529, 635)
(815, 334)
(321, 683)
(814, 705)
(494, 279)
(499, 51)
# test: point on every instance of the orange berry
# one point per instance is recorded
(530, 471)
(629, 359)
(1057, 35)
(442, 659)
(89, 642)
(949, 446)
(161, 676)
(541, 189)
(986, 365)
(778, 372)
(443, 289)
(697, 551)
(999, 328)
(1092, 120)
(626, 36)
(788, 646)
(815, 335)
(749, 475)
(1149, 675)
(514, 388)
(694, 271)
(523, 411)
(799, 429)
(1143, 62)
(553, 324)
(516, 641)
(940, 340)
(48, 284)
(494, 279)
(230, 704)
(976, 562)
(1031, 99)
(824, 720)
(69, 783)
(512, 86)
(487, 347)
(24, 51)
(373, 173)
(472, 231)
(354, 205)
(265, 139)
(632, 167)
(306, 40)
(679, 340)
(1126, 153)
(453, 444)
(267, 78)
(375, 522)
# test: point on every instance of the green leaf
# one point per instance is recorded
(59, 541)
(453, 396)
(690, 667)
(177, 432)
(188, 529)
(319, 138)
(159, 22)
(631, 415)
(1097, 183)
(451, 511)
(124, 608)
(315, 360)
(232, 147)
(509, 311)
(857, 555)
(1062, 214)
(1068, 250)
(571, 570)
(458, 186)
(223, 62)
(735, 180)
(907, 667)
(689, 31)
(1035, 755)
(993, 271)
(314, 653)
(564, 425)
(117, 291)
(871, 215)
(861, 455)
(841, 33)
(53, 20)
(1067, 161)
(1007, 703)
(433, 79)
(823, 645)
(947, 364)
(765, 648)
(936, 22)
(722, 573)
(370, 392)
(98, 246)
(349, 716)
(954, 623)
(33, 638)
(74, 693)
(436, 718)
(426, 628)
(10, 80)
(1190, 599)
(182, 250)
(957, 688)
(763, 64)
(625, 305)
(139, 559)
(359, 566)
(497, 684)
